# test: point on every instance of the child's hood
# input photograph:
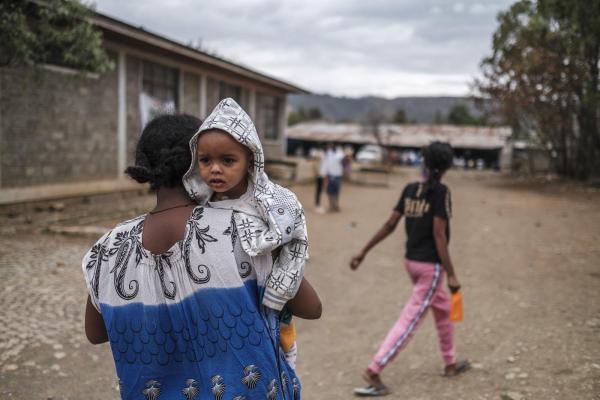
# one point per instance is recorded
(279, 207)
(228, 117)
(281, 222)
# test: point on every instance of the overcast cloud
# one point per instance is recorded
(352, 47)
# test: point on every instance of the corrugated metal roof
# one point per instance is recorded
(468, 137)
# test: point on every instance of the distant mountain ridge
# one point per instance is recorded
(348, 109)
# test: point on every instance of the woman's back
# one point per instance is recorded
(419, 204)
(166, 227)
(186, 321)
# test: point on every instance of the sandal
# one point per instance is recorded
(372, 391)
(458, 368)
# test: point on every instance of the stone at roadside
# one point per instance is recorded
(10, 367)
(58, 206)
(510, 376)
(512, 396)
(594, 322)
(511, 359)
(8, 230)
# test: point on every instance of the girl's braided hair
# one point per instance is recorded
(437, 157)
(163, 154)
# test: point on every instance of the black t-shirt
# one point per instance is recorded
(419, 208)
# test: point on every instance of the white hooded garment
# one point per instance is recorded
(279, 220)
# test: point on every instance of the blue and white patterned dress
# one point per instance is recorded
(188, 323)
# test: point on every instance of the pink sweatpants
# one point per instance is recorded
(428, 292)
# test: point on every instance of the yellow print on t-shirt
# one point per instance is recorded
(414, 208)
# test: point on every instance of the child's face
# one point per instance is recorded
(224, 163)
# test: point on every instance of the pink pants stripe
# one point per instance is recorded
(427, 292)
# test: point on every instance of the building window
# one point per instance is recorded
(269, 116)
(229, 90)
(160, 82)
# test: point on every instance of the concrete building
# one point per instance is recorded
(66, 133)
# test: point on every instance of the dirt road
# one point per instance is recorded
(527, 256)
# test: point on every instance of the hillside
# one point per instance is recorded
(418, 109)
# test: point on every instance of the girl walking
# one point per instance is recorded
(426, 206)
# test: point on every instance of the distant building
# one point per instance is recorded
(65, 133)
(469, 142)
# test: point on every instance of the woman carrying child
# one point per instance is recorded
(187, 293)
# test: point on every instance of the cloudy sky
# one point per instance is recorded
(341, 47)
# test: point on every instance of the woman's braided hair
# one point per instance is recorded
(163, 154)
(437, 157)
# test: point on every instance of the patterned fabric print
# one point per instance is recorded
(201, 236)
(251, 376)
(127, 243)
(272, 394)
(126, 250)
(98, 255)
(281, 221)
(187, 323)
(296, 386)
(152, 390)
(233, 232)
(190, 391)
(218, 387)
(164, 334)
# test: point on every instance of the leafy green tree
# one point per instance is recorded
(543, 77)
(50, 32)
(459, 115)
(302, 115)
(314, 114)
(400, 117)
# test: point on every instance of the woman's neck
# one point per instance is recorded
(171, 196)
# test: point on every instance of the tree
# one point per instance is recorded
(50, 32)
(314, 114)
(400, 117)
(303, 115)
(459, 115)
(372, 126)
(543, 78)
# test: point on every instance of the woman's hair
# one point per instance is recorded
(437, 157)
(163, 155)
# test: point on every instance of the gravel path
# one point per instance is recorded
(527, 256)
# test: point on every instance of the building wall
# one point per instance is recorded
(56, 126)
(191, 94)
(274, 148)
(59, 127)
(133, 79)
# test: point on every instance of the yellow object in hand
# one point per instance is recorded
(287, 336)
